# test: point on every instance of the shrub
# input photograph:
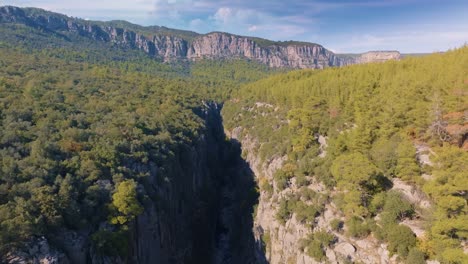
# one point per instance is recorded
(316, 244)
(396, 207)
(305, 212)
(301, 180)
(357, 227)
(281, 180)
(286, 207)
(400, 239)
(267, 187)
(377, 203)
(283, 213)
(315, 250)
(415, 256)
(455, 256)
(307, 194)
(266, 241)
(336, 224)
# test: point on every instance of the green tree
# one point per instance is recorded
(454, 256)
(407, 167)
(126, 203)
(415, 256)
(354, 170)
(400, 239)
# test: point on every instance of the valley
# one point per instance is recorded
(128, 144)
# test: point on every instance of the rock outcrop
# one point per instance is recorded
(172, 47)
(222, 45)
(36, 251)
(285, 240)
(377, 56)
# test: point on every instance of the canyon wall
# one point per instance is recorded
(173, 47)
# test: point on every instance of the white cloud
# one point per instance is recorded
(276, 19)
(223, 15)
(245, 21)
(239, 17)
(253, 28)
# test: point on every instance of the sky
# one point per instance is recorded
(343, 26)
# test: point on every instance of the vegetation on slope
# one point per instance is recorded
(373, 116)
(77, 115)
(79, 129)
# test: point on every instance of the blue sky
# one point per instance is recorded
(340, 25)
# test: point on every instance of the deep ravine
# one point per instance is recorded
(198, 210)
(234, 242)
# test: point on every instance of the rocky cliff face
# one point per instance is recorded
(222, 45)
(378, 56)
(214, 45)
(199, 210)
(282, 242)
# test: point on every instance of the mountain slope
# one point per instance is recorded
(100, 164)
(366, 163)
(169, 44)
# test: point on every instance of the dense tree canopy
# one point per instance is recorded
(374, 118)
(79, 135)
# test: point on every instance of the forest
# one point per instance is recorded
(374, 117)
(73, 128)
(84, 123)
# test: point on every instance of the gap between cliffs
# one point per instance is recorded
(237, 196)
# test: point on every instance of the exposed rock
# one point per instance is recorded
(75, 245)
(323, 146)
(411, 193)
(378, 56)
(331, 256)
(345, 249)
(417, 226)
(223, 45)
(37, 251)
(423, 153)
(285, 240)
(215, 45)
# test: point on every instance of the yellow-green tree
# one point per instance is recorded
(125, 201)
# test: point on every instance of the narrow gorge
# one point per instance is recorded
(121, 144)
(201, 211)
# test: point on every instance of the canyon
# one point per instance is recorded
(235, 156)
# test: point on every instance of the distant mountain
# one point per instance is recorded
(173, 45)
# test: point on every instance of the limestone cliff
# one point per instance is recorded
(283, 241)
(173, 45)
(378, 56)
(222, 45)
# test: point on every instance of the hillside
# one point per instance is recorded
(128, 144)
(171, 45)
(354, 158)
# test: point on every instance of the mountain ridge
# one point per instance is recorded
(173, 44)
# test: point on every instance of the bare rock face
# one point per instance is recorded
(216, 45)
(345, 248)
(283, 243)
(222, 45)
(378, 56)
(37, 251)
